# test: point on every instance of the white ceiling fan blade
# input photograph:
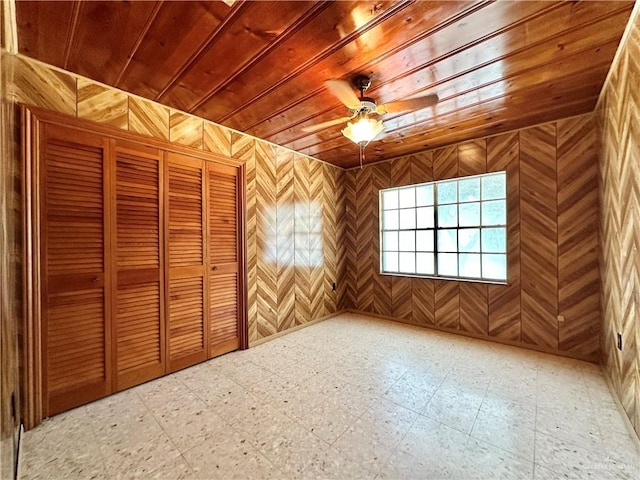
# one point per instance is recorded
(344, 92)
(408, 105)
(320, 126)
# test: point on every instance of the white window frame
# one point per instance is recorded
(435, 228)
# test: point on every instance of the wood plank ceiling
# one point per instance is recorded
(259, 67)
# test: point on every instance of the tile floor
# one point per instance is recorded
(351, 397)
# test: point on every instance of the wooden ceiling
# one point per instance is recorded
(259, 67)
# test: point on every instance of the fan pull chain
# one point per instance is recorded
(361, 154)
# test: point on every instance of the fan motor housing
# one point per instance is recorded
(367, 105)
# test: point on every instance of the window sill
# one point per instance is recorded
(450, 279)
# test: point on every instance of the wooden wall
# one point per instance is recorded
(618, 114)
(553, 271)
(10, 286)
(293, 202)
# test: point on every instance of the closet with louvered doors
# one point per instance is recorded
(134, 260)
(225, 299)
(187, 312)
(137, 261)
(75, 294)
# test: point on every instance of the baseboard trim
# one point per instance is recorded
(627, 421)
(260, 341)
(479, 337)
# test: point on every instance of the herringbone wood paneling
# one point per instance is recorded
(578, 272)
(401, 296)
(474, 316)
(382, 304)
(102, 104)
(539, 236)
(445, 163)
(423, 301)
(316, 251)
(494, 311)
(422, 290)
(472, 160)
(422, 167)
(447, 293)
(619, 174)
(504, 300)
(447, 304)
(472, 157)
(286, 240)
(341, 237)
(185, 129)
(301, 196)
(244, 148)
(365, 229)
(349, 298)
(217, 139)
(330, 222)
(266, 244)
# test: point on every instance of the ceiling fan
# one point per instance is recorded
(364, 128)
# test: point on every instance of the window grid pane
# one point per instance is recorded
(469, 240)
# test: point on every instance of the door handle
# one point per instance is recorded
(214, 268)
(94, 279)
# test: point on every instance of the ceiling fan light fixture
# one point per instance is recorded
(363, 130)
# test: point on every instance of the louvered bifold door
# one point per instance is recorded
(224, 258)
(137, 261)
(187, 315)
(75, 278)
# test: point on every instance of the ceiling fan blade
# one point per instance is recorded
(408, 105)
(344, 92)
(320, 126)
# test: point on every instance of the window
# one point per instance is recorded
(451, 229)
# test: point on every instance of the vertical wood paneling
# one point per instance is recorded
(539, 236)
(316, 245)
(285, 231)
(266, 246)
(503, 154)
(382, 305)
(13, 374)
(301, 197)
(578, 272)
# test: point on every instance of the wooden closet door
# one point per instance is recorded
(137, 261)
(187, 314)
(75, 299)
(224, 258)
